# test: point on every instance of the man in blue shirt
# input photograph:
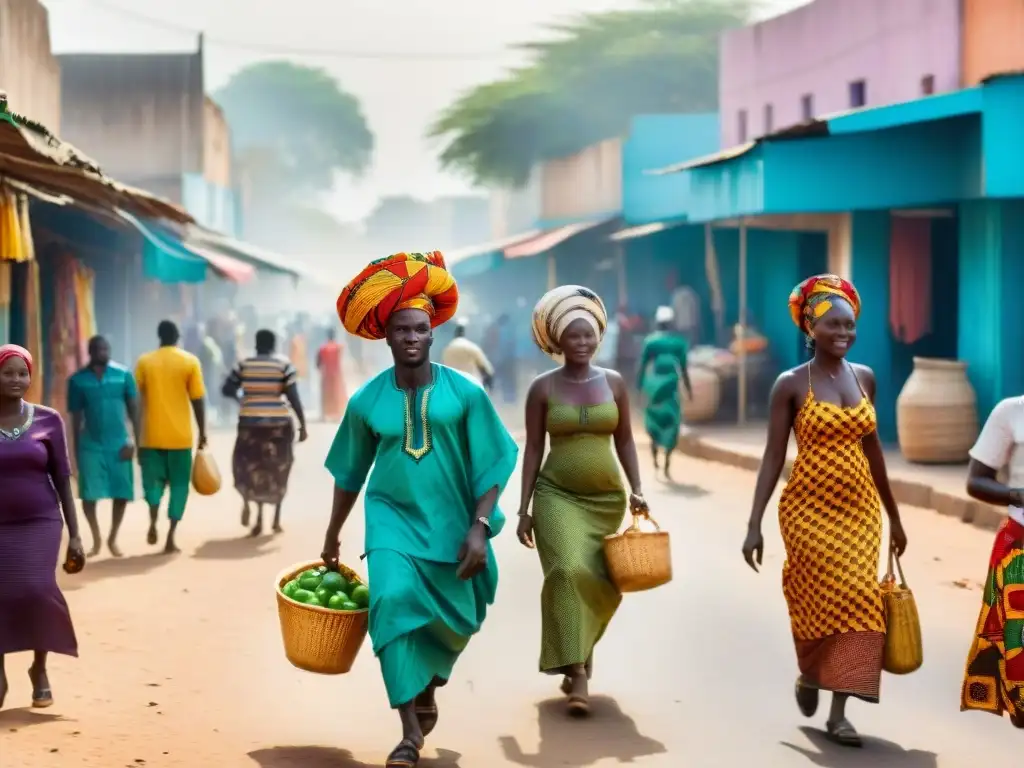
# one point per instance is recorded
(102, 399)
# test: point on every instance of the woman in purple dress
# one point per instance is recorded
(35, 485)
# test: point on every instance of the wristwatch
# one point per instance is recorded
(485, 523)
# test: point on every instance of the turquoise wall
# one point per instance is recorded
(991, 329)
(1002, 125)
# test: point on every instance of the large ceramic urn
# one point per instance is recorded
(707, 394)
(937, 413)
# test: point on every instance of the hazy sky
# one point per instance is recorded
(400, 95)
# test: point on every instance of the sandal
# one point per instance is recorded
(806, 699)
(427, 715)
(42, 697)
(405, 755)
(579, 706)
(843, 734)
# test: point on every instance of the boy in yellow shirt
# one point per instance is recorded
(170, 382)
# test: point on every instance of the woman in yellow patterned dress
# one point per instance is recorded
(829, 512)
(578, 494)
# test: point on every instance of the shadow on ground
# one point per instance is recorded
(685, 490)
(330, 757)
(876, 752)
(244, 547)
(98, 570)
(26, 717)
(607, 734)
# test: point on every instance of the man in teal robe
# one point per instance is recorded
(441, 458)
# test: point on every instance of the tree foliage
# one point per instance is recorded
(294, 126)
(585, 84)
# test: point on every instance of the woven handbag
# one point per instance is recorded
(638, 560)
(904, 652)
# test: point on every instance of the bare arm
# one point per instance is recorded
(132, 405)
(292, 393)
(781, 411)
(983, 486)
(685, 371)
(67, 503)
(536, 436)
(341, 508)
(199, 409)
(625, 445)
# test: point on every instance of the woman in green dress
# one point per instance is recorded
(578, 495)
(662, 367)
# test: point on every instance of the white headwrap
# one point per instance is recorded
(664, 315)
(559, 308)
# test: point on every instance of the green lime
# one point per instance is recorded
(361, 595)
(310, 581)
(289, 588)
(348, 605)
(315, 601)
(334, 581)
(303, 596)
(337, 602)
(323, 594)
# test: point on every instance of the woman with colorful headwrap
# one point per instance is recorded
(440, 459)
(35, 484)
(829, 511)
(578, 495)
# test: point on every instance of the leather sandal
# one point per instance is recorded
(844, 734)
(405, 755)
(807, 699)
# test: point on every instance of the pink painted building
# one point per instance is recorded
(833, 55)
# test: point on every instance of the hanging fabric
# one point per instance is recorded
(12, 245)
(910, 278)
(34, 331)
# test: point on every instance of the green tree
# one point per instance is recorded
(293, 128)
(586, 83)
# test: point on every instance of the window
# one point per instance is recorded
(741, 126)
(807, 106)
(858, 94)
(928, 85)
(769, 119)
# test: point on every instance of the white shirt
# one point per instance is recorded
(465, 356)
(1001, 445)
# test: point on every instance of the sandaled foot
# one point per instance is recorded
(42, 696)
(278, 528)
(1016, 718)
(807, 699)
(566, 686)
(171, 549)
(245, 516)
(94, 550)
(579, 706)
(405, 755)
(426, 711)
(843, 733)
(256, 532)
(151, 537)
(115, 551)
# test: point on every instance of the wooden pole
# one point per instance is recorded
(741, 328)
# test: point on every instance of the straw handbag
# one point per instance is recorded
(903, 649)
(205, 474)
(318, 639)
(638, 560)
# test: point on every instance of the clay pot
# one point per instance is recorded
(937, 413)
(707, 394)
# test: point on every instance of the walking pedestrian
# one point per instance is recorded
(829, 511)
(994, 675)
(578, 495)
(441, 458)
(35, 483)
(264, 386)
(662, 369)
(170, 381)
(333, 395)
(466, 356)
(102, 399)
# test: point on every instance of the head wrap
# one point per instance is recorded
(664, 315)
(7, 351)
(815, 296)
(559, 308)
(397, 282)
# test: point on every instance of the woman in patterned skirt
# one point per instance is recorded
(35, 484)
(829, 512)
(578, 495)
(264, 385)
(994, 677)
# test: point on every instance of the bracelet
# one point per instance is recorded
(525, 514)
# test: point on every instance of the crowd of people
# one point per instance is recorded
(427, 445)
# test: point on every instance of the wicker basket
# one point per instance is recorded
(707, 395)
(638, 560)
(903, 648)
(937, 413)
(318, 639)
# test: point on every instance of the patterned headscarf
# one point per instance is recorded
(7, 351)
(397, 282)
(559, 308)
(815, 296)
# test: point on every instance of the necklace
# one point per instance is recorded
(581, 381)
(23, 425)
(822, 369)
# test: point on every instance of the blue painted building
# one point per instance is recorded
(955, 160)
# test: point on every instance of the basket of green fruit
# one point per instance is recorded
(324, 615)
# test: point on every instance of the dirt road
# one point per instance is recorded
(182, 665)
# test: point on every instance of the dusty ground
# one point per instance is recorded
(182, 665)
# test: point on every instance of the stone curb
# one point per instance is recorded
(914, 493)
